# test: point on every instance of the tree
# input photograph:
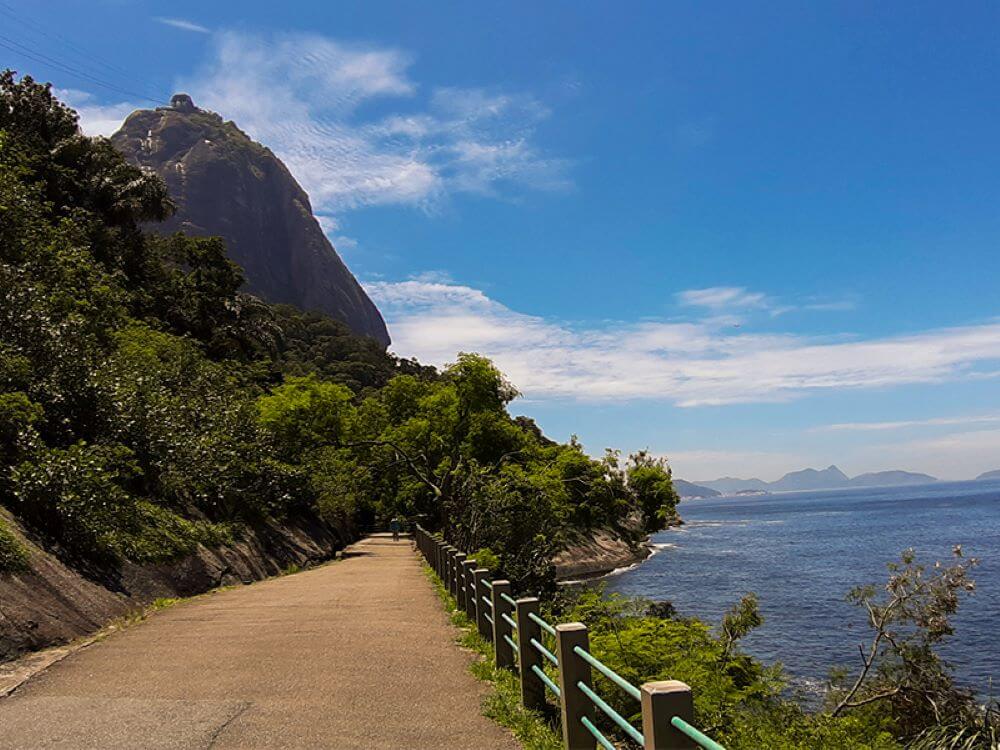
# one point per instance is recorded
(899, 666)
(649, 481)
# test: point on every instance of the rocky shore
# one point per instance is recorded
(599, 553)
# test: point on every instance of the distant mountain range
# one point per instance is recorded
(830, 478)
(995, 474)
(687, 489)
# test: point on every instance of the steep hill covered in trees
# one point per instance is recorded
(158, 425)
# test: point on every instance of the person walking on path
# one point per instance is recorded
(395, 526)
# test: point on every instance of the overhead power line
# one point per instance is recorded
(44, 59)
(88, 57)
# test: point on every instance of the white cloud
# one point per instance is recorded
(961, 455)
(311, 99)
(96, 119)
(719, 298)
(734, 301)
(183, 24)
(687, 363)
(885, 426)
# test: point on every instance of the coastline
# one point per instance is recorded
(598, 554)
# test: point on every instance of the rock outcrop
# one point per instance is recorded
(227, 185)
(51, 603)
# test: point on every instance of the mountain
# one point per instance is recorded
(811, 479)
(891, 479)
(995, 474)
(732, 485)
(830, 478)
(689, 489)
(227, 185)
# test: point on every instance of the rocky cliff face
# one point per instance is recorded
(227, 185)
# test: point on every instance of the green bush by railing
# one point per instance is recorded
(517, 632)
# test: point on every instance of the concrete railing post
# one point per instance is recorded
(532, 688)
(447, 567)
(573, 671)
(459, 574)
(479, 576)
(661, 701)
(469, 602)
(502, 650)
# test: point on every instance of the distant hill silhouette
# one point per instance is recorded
(688, 489)
(830, 478)
(995, 474)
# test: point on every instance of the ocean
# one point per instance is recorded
(801, 552)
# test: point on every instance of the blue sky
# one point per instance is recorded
(749, 239)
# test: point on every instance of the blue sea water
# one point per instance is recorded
(802, 552)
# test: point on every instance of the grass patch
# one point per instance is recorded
(503, 704)
(13, 554)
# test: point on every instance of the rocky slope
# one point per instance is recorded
(598, 553)
(227, 185)
(51, 604)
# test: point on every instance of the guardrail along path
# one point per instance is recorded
(358, 654)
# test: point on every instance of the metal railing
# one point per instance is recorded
(518, 632)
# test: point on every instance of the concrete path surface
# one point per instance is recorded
(356, 654)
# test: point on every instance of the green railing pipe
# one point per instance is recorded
(616, 717)
(545, 652)
(601, 739)
(540, 673)
(543, 625)
(620, 681)
(702, 739)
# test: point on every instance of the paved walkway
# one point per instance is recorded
(357, 654)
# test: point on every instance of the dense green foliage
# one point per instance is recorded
(901, 695)
(445, 450)
(13, 555)
(148, 406)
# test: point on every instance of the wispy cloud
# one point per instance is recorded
(719, 298)
(311, 99)
(183, 24)
(958, 455)
(693, 363)
(738, 300)
(905, 424)
(96, 119)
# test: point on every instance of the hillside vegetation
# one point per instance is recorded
(148, 407)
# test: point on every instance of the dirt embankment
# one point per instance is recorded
(598, 553)
(52, 603)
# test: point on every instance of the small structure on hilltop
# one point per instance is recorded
(182, 103)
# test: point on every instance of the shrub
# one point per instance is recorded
(13, 555)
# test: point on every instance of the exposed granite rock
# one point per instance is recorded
(227, 185)
(598, 553)
(52, 604)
